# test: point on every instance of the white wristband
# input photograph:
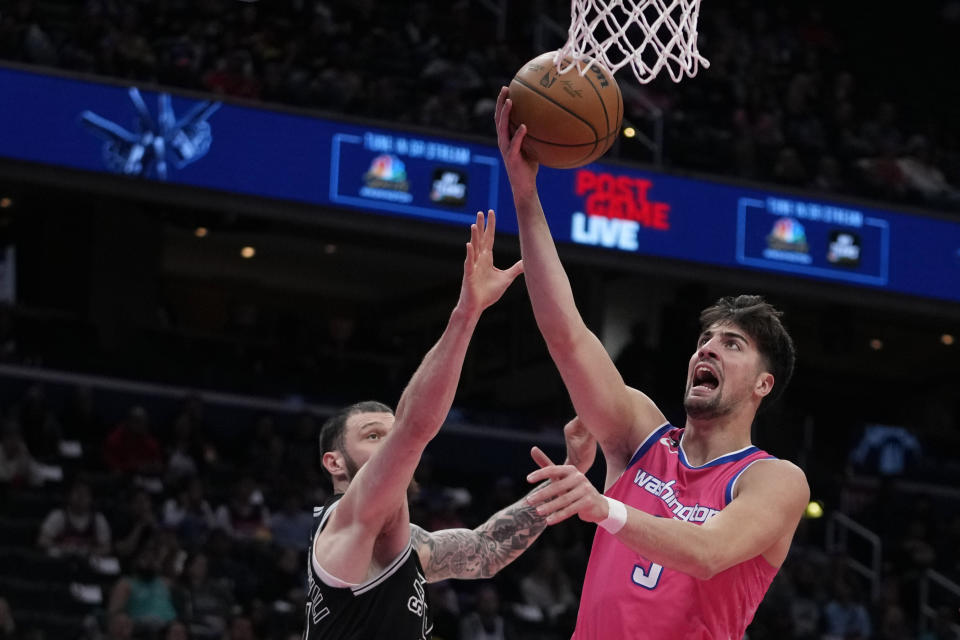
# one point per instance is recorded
(616, 518)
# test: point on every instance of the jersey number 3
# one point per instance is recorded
(647, 578)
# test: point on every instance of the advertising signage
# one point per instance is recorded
(409, 175)
(375, 170)
(732, 226)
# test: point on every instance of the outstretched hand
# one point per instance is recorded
(521, 169)
(569, 492)
(483, 283)
(581, 445)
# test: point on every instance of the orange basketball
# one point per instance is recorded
(571, 119)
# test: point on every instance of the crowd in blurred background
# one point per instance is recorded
(798, 94)
(187, 521)
(163, 519)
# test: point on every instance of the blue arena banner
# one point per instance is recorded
(375, 170)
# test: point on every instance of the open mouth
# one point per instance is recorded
(704, 378)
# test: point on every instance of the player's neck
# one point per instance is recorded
(706, 440)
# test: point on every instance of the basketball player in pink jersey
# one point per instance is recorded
(694, 522)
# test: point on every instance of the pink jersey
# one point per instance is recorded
(627, 596)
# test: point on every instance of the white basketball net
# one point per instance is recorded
(648, 35)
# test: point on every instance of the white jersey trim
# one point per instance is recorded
(709, 462)
(357, 587)
(325, 576)
(391, 569)
(328, 578)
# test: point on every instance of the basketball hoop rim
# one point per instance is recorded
(649, 36)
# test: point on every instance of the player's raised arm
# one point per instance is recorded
(377, 491)
(618, 417)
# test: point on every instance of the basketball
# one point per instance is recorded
(571, 119)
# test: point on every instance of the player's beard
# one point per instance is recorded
(350, 464)
(701, 408)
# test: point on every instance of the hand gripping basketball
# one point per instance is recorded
(572, 118)
(521, 169)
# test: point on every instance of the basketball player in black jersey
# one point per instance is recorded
(368, 564)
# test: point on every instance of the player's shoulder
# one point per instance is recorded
(774, 472)
(647, 414)
(322, 514)
(646, 420)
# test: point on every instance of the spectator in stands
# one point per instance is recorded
(189, 514)
(917, 550)
(245, 516)
(845, 616)
(204, 603)
(446, 511)
(241, 628)
(144, 593)
(177, 631)
(267, 452)
(881, 131)
(228, 561)
(291, 526)
(886, 451)
(233, 76)
(131, 448)
(444, 609)
(39, 424)
(80, 418)
(921, 176)
(17, 466)
(286, 581)
(186, 453)
(8, 628)
(804, 611)
(548, 587)
(893, 625)
(829, 176)
(264, 432)
(486, 622)
(882, 173)
(119, 626)
(76, 529)
(788, 168)
(136, 524)
(192, 449)
(301, 454)
(850, 144)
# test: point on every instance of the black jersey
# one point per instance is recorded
(391, 606)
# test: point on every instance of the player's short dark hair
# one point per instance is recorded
(761, 321)
(331, 433)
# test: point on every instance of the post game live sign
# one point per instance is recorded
(615, 209)
(663, 215)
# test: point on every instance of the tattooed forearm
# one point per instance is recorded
(481, 552)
